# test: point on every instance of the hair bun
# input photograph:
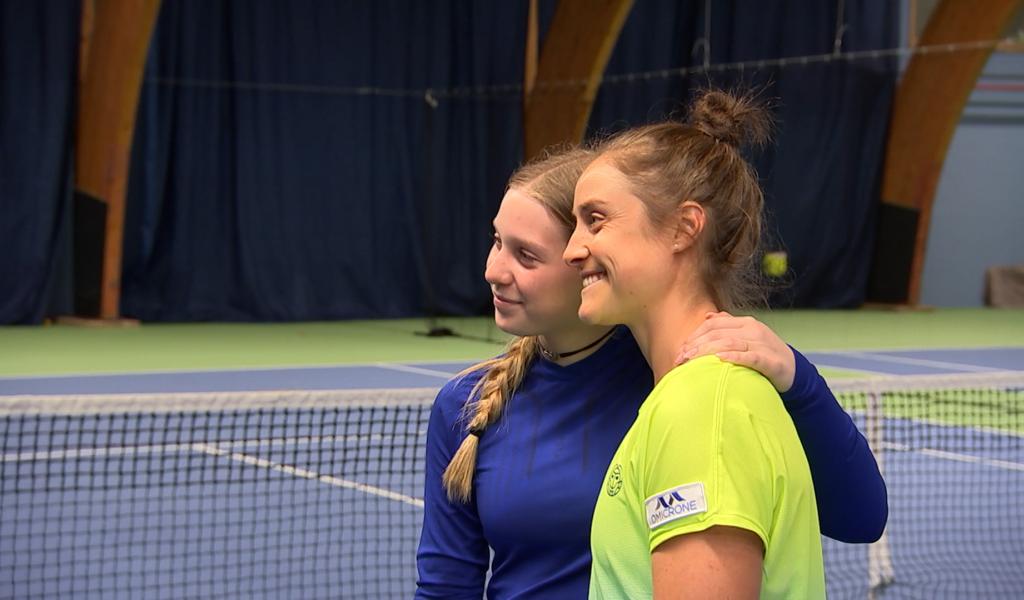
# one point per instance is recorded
(735, 120)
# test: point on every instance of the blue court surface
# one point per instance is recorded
(924, 362)
(275, 501)
(397, 376)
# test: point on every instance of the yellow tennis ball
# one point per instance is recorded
(775, 264)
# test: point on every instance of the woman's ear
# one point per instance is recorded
(690, 219)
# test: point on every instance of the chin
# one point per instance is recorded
(592, 316)
(511, 326)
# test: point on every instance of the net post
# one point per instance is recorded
(880, 569)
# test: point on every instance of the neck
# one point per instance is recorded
(661, 330)
(571, 341)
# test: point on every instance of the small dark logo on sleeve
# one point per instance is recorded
(615, 480)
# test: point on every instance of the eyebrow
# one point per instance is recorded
(590, 204)
(533, 247)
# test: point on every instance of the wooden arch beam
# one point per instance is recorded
(115, 40)
(926, 110)
(575, 52)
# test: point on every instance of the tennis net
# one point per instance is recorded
(316, 494)
(265, 495)
(951, 449)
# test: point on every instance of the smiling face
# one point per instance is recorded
(535, 292)
(624, 260)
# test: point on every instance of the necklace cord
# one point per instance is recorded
(554, 356)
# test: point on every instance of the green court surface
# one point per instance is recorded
(64, 349)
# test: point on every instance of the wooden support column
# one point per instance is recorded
(926, 111)
(575, 52)
(114, 43)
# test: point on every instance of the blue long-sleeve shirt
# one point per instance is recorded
(539, 470)
(852, 500)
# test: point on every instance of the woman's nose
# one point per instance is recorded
(576, 250)
(496, 273)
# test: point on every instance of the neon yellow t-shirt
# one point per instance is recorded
(712, 445)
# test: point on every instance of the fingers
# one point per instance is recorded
(751, 360)
(706, 343)
(716, 345)
(723, 321)
(717, 326)
(762, 358)
(738, 352)
(744, 341)
(718, 340)
(763, 362)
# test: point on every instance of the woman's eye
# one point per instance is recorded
(594, 220)
(496, 240)
(527, 257)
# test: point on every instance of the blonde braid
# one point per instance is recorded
(494, 389)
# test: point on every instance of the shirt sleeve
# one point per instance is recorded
(453, 556)
(852, 499)
(705, 462)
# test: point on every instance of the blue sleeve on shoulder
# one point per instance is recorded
(452, 557)
(852, 501)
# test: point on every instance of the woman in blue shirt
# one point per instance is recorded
(517, 447)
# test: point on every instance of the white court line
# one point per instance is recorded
(231, 369)
(965, 458)
(920, 362)
(263, 444)
(221, 452)
(313, 475)
(417, 370)
(76, 453)
(825, 365)
(920, 349)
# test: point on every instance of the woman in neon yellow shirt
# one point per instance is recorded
(709, 493)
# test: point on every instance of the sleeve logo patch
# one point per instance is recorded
(615, 480)
(675, 503)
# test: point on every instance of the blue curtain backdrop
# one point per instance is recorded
(822, 171)
(38, 63)
(289, 163)
(287, 189)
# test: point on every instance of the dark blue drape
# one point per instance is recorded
(289, 163)
(821, 171)
(282, 192)
(38, 54)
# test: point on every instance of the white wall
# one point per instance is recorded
(978, 215)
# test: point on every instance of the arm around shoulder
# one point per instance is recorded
(851, 495)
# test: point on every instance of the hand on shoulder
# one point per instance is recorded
(744, 341)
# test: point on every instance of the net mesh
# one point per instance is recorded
(951, 449)
(298, 495)
(316, 494)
